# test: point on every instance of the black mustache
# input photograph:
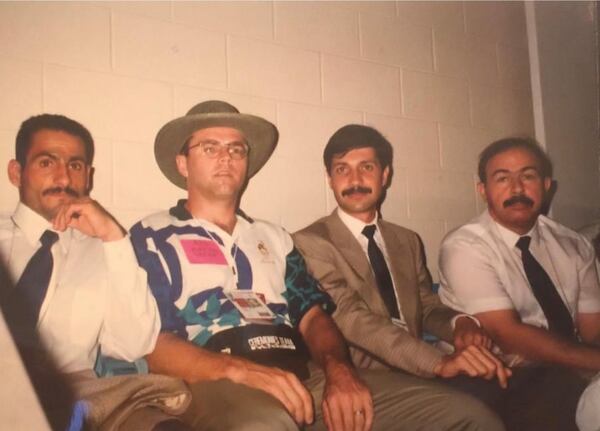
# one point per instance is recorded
(58, 190)
(519, 199)
(356, 189)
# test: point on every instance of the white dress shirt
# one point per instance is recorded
(356, 227)
(97, 295)
(481, 269)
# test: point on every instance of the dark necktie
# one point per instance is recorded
(558, 317)
(31, 288)
(382, 273)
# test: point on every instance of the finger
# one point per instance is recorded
(477, 339)
(367, 409)
(59, 219)
(488, 344)
(478, 361)
(502, 372)
(463, 363)
(459, 343)
(285, 399)
(304, 397)
(335, 416)
(359, 418)
(326, 416)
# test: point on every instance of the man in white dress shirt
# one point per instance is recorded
(530, 281)
(74, 286)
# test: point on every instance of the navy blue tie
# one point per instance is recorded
(381, 271)
(558, 316)
(31, 288)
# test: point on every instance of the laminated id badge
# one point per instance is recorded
(250, 305)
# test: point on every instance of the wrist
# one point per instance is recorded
(464, 320)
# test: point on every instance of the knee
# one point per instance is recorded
(468, 413)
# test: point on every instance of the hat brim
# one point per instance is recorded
(260, 135)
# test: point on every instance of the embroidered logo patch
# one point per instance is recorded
(203, 251)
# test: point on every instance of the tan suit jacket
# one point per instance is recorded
(336, 259)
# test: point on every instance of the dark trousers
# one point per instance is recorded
(537, 398)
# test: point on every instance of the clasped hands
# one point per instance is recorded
(472, 355)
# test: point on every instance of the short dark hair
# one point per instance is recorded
(52, 122)
(505, 144)
(353, 136)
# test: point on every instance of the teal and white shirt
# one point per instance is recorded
(192, 264)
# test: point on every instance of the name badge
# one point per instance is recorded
(250, 305)
(203, 251)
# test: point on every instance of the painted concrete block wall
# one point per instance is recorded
(569, 80)
(440, 79)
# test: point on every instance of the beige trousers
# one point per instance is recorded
(402, 402)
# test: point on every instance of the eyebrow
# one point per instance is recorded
(507, 171)
(55, 157)
(213, 141)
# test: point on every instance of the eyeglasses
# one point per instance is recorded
(213, 149)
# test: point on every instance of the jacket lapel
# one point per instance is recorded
(401, 266)
(343, 240)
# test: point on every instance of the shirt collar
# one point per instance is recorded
(510, 238)
(355, 225)
(180, 212)
(33, 225)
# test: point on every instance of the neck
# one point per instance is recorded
(365, 217)
(221, 213)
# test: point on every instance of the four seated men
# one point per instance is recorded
(530, 281)
(245, 324)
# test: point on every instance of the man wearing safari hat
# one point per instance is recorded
(242, 321)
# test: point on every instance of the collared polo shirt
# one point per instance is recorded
(192, 264)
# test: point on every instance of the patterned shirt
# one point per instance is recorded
(192, 264)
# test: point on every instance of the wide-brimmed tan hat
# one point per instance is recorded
(260, 134)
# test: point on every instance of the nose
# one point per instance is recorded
(62, 175)
(355, 177)
(224, 155)
(516, 185)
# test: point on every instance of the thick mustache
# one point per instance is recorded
(59, 190)
(519, 199)
(356, 189)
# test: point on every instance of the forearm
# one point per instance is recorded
(540, 345)
(180, 358)
(323, 339)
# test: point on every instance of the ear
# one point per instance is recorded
(481, 190)
(181, 162)
(14, 173)
(547, 184)
(90, 171)
(384, 176)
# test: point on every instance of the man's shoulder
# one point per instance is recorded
(317, 229)
(564, 235)
(7, 226)
(265, 227)
(476, 230)
(156, 220)
(553, 227)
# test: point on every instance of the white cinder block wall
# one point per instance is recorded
(440, 80)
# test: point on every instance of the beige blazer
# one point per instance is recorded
(335, 258)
